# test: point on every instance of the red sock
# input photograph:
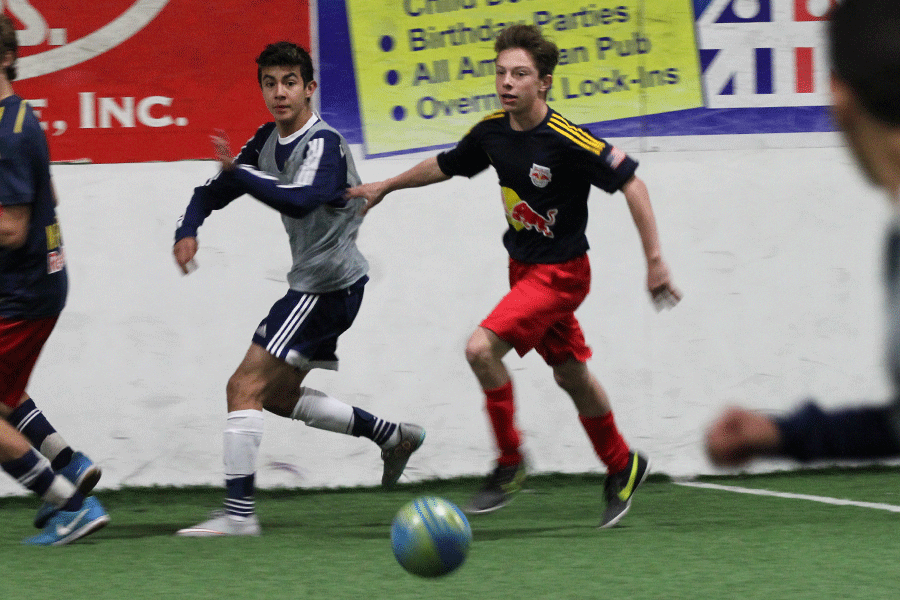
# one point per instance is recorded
(500, 409)
(607, 441)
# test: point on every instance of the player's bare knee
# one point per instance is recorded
(563, 380)
(478, 352)
(570, 379)
(244, 391)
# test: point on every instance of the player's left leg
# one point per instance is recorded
(310, 341)
(21, 342)
(626, 469)
(564, 348)
(74, 516)
(74, 466)
(317, 409)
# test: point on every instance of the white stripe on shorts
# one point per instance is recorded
(292, 323)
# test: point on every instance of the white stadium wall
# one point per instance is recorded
(777, 251)
(769, 230)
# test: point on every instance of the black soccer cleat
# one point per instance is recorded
(620, 487)
(501, 485)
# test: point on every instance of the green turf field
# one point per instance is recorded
(677, 542)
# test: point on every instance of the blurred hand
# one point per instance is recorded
(184, 252)
(663, 292)
(740, 435)
(222, 148)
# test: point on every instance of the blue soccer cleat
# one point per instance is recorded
(83, 474)
(67, 526)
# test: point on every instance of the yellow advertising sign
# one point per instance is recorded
(425, 68)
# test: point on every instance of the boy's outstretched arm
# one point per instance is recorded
(424, 173)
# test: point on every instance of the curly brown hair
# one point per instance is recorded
(530, 39)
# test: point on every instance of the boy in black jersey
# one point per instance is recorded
(33, 288)
(546, 166)
(864, 36)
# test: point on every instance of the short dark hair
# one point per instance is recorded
(530, 39)
(286, 54)
(865, 53)
(8, 43)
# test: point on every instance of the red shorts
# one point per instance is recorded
(539, 310)
(20, 345)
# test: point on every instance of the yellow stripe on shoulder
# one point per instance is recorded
(493, 115)
(576, 134)
(2, 108)
(20, 118)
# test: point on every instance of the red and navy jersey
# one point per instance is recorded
(33, 280)
(545, 177)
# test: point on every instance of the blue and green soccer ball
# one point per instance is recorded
(431, 537)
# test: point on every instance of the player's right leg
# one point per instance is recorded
(520, 320)
(485, 351)
(246, 393)
(73, 465)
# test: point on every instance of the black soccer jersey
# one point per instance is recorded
(545, 176)
(33, 279)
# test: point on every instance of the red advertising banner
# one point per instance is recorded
(147, 80)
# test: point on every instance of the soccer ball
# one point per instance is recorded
(431, 537)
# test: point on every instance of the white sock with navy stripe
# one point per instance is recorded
(318, 409)
(243, 435)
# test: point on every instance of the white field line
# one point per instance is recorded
(822, 499)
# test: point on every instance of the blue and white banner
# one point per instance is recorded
(762, 63)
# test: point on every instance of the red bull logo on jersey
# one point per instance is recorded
(521, 216)
(540, 176)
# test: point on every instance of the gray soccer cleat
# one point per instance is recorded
(221, 524)
(395, 458)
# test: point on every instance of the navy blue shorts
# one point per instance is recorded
(302, 329)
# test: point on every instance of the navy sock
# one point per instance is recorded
(239, 496)
(368, 425)
(26, 470)
(29, 419)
